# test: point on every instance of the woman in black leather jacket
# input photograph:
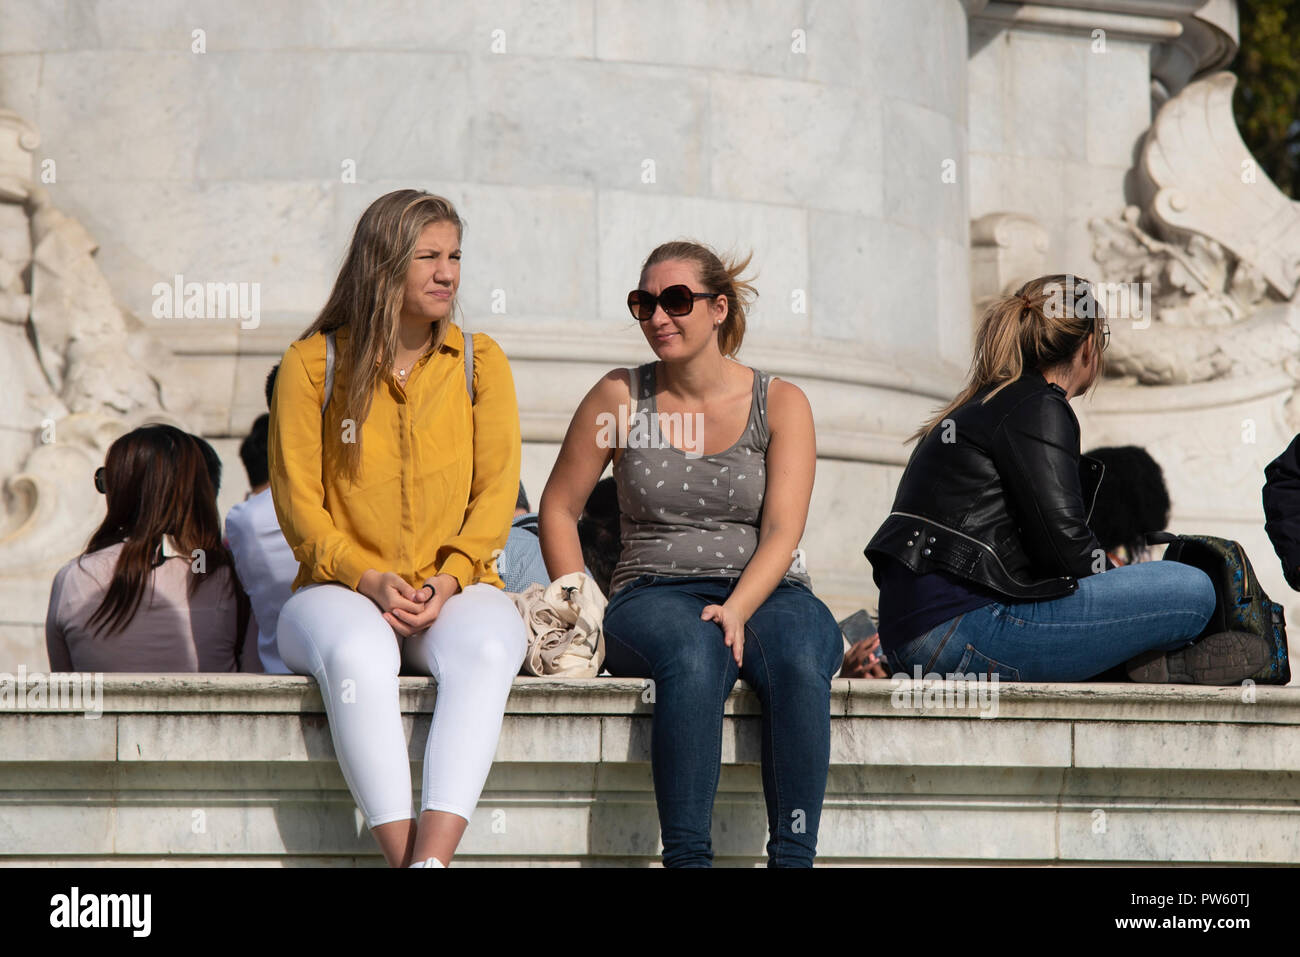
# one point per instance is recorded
(986, 563)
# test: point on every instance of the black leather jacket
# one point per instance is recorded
(999, 495)
(1282, 510)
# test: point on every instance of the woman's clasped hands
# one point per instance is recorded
(407, 610)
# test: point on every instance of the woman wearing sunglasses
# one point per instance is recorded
(155, 589)
(395, 499)
(714, 464)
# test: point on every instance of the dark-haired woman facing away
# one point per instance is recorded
(705, 590)
(986, 564)
(396, 499)
(155, 589)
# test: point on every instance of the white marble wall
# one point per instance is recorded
(848, 144)
(815, 133)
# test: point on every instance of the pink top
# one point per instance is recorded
(170, 631)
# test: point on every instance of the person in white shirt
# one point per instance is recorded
(263, 559)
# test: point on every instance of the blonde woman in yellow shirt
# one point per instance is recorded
(396, 499)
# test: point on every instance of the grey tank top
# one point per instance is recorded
(689, 514)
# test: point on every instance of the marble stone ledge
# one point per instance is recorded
(1102, 702)
(896, 698)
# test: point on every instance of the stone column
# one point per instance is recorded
(1061, 95)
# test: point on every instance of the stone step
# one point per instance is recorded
(240, 769)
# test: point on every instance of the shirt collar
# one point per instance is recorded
(454, 342)
(1037, 376)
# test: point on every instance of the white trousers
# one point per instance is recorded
(473, 650)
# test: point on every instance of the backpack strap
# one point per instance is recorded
(329, 371)
(469, 366)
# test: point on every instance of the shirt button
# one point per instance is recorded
(931, 539)
(925, 551)
(910, 542)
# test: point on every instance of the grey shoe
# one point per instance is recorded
(1226, 658)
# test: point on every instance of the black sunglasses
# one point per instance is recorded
(676, 301)
(100, 487)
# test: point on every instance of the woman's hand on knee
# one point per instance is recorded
(732, 625)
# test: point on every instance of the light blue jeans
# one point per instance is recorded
(1109, 619)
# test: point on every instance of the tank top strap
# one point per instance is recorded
(645, 389)
(758, 412)
(640, 388)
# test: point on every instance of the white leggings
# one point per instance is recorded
(474, 649)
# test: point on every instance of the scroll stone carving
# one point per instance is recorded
(1217, 246)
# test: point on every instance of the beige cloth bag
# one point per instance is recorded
(564, 620)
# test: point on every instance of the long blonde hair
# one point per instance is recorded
(367, 298)
(1038, 326)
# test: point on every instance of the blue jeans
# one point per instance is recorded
(792, 650)
(1111, 618)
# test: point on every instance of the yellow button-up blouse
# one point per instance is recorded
(436, 490)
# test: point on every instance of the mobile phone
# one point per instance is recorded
(858, 626)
